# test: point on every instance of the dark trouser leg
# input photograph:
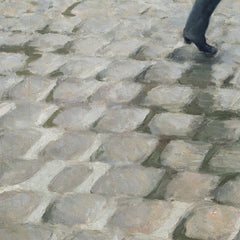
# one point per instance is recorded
(198, 22)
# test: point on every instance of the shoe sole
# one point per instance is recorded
(187, 41)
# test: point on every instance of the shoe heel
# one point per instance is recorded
(187, 41)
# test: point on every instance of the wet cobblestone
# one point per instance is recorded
(111, 128)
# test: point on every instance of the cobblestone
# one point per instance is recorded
(164, 72)
(88, 46)
(112, 128)
(76, 209)
(172, 99)
(8, 82)
(15, 171)
(33, 88)
(89, 235)
(117, 92)
(80, 117)
(11, 62)
(15, 143)
(17, 206)
(25, 231)
(220, 131)
(190, 186)
(226, 160)
(122, 70)
(71, 145)
(212, 221)
(121, 120)
(132, 181)
(126, 148)
(26, 114)
(69, 178)
(229, 193)
(47, 64)
(49, 42)
(76, 91)
(138, 216)
(84, 67)
(182, 155)
(175, 124)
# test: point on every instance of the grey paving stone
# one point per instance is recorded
(121, 48)
(220, 131)
(127, 9)
(47, 64)
(90, 9)
(175, 124)
(25, 231)
(84, 67)
(140, 216)
(117, 92)
(61, 5)
(229, 193)
(146, 237)
(16, 206)
(89, 235)
(172, 98)
(33, 88)
(131, 28)
(14, 171)
(121, 120)
(97, 25)
(88, 46)
(122, 70)
(233, 35)
(16, 9)
(14, 39)
(127, 148)
(131, 180)
(76, 91)
(11, 62)
(165, 72)
(49, 42)
(211, 221)
(28, 23)
(222, 99)
(222, 72)
(75, 209)
(6, 82)
(226, 160)
(184, 155)
(15, 143)
(71, 146)
(153, 49)
(63, 25)
(80, 117)
(25, 115)
(69, 178)
(190, 187)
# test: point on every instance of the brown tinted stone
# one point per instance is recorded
(211, 221)
(140, 216)
(190, 187)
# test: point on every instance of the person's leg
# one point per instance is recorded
(197, 24)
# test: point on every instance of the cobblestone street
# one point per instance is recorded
(111, 128)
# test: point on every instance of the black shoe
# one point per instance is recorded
(203, 47)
